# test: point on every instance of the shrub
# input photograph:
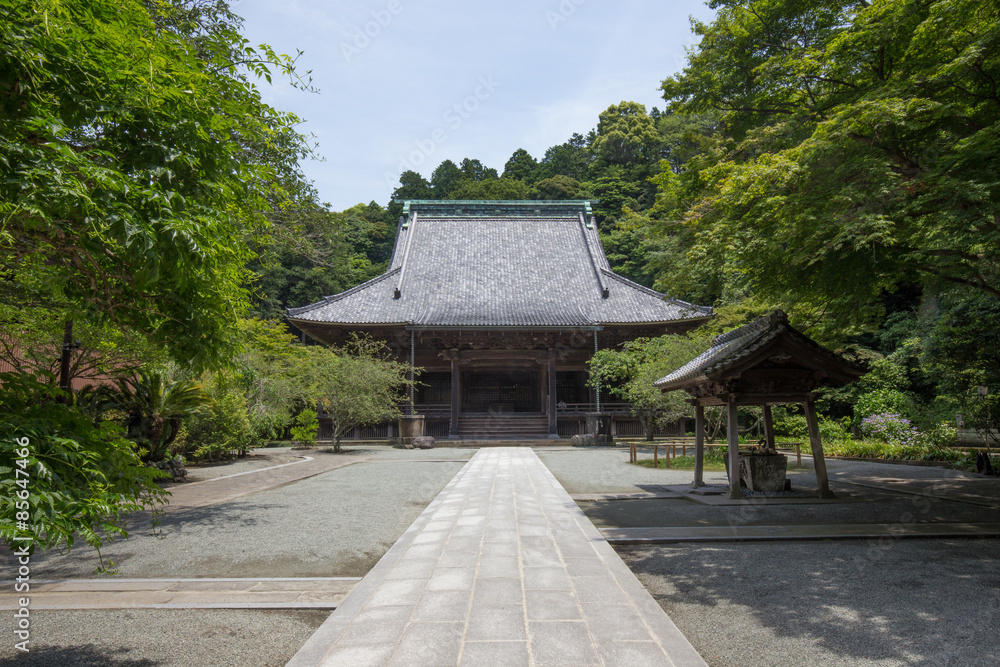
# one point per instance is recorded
(881, 401)
(943, 434)
(83, 478)
(890, 428)
(224, 426)
(306, 427)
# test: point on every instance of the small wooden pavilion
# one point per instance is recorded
(765, 363)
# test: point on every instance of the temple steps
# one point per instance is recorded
(503, 426)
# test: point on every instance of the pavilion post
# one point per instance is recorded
(768, 427)
(733, 429)
(455, 403)
(817, 451)
(699, 446)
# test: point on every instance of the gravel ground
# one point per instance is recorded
(608, 471)
(164, 638)
(255, 460)
(859, 603)
(335, 524)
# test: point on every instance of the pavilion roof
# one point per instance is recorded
(498, 264)
(734, 351)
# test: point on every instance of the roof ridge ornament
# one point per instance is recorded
(410, 230)
(605, 290)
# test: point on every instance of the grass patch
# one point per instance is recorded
(681, 463)
(873, 449)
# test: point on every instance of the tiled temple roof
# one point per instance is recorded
(506, 264)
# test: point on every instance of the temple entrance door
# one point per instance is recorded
(501, 391)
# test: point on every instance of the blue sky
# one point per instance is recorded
(406, 85)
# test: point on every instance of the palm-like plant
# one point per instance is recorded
(153, 409)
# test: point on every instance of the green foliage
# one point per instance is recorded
(521, 166)
(629, 374)
(152, 409)
(224, 425)
(714, 460)
(882, 401)
(493, 188)
(872, 449)
(558, 187)
(137, 162)
(864, 147)
(356, 385)
(306, 427)
(626, 134)
(83, 479)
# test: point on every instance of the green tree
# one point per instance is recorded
(626, 134)
(477, 171)
(521, 166)
(558, 187)
(152, 408)
(629, 373)
(82, 479)
(494, 188)
(866, 146)
(572, 159)
(137, 160)
(356, 385)
(445, 179)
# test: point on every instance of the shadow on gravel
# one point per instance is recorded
(85, 655)
(914, 602)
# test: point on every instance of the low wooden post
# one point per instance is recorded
(666, 454)
(656, 456)
(817, 451)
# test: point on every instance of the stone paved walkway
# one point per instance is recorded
(501, 568)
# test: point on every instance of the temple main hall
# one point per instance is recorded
(500, 305)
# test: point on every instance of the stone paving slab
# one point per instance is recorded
(111, 593)
(222, 489)
(735, 533)
(501, 568)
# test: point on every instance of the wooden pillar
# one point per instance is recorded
(699, 446)
(817, 451)
(732, 426)
(553, 422)
(768, 427)
(411, 376)
(456, 404)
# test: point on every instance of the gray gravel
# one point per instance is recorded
(335, 524)
(164, 638)
(858, 603)
(608, 471)
(261, 458)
